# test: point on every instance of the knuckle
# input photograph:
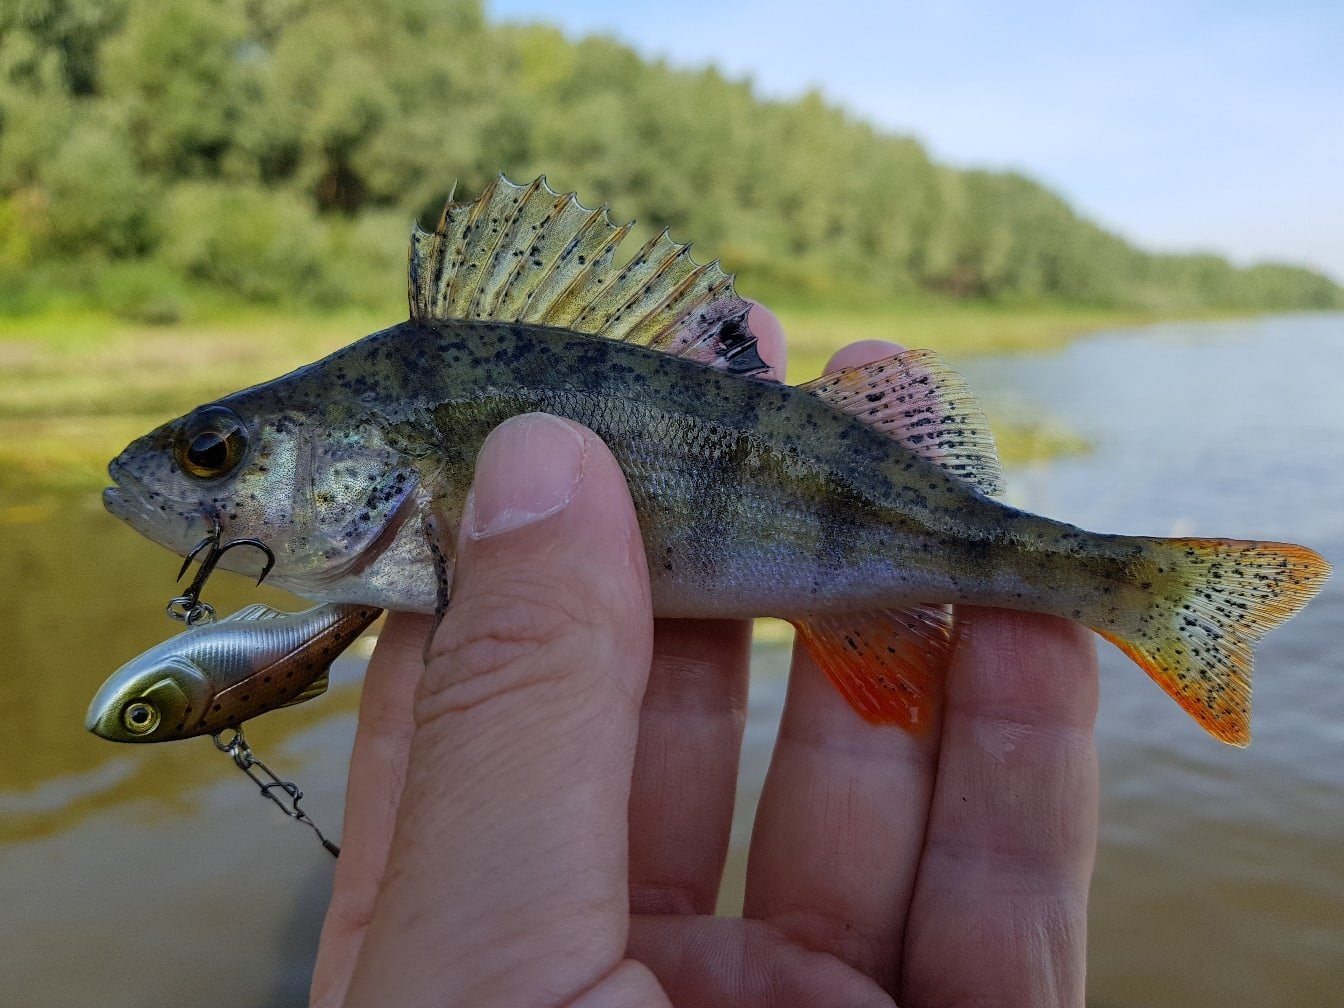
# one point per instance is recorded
(515, 637)
(506, 622)
(1024, 736)
(865, 947)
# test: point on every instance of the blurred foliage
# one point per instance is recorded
(154, 153)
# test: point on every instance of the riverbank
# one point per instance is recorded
(79, 385)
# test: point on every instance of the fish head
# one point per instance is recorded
(314, 483)
(149, 699)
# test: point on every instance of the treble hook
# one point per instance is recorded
(188, 607)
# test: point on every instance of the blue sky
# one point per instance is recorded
(1182, 125)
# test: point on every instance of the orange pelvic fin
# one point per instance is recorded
(1196, 641)
(889, 664)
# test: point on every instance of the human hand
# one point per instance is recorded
(539, 814)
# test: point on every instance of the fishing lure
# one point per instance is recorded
(857, 506)
(216, 675)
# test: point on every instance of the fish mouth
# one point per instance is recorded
(100, 719)
(128, 501)
(104, 714)
(116, 504)
(124, 499)
(114, 495)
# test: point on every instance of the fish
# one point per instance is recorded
(859, 506)
(217, 675)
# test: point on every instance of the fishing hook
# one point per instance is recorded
(188, 607)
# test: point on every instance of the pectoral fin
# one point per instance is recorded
(441, 534)
(889, 664)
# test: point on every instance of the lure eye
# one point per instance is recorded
(140, 718)
(211, 443)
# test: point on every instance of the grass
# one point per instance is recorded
(79, 385)
(954, 329)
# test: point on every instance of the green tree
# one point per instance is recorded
(260, 146)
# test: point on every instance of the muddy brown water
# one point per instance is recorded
(145, 876)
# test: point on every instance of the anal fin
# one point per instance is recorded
(889, 663)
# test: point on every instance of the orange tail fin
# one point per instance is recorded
(1196, 641)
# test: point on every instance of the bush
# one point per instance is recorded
(141, 290)
(96, 199)
(259, 245)
(16, 232)
(364, 261)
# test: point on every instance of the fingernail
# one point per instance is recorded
(529, 468)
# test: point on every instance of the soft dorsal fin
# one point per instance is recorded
(528, 254)
(256, 611)
(916, 399)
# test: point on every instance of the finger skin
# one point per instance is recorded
(840, 825)
(377, 772)
(713, 961)
(1013, 828)
(685, 776)
(506, 882)
(690, 738)
(839, 829)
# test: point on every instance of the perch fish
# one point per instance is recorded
(215, 676)
(857, 506)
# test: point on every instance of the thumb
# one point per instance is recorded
(507, 880)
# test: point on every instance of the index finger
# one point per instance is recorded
(377, 770)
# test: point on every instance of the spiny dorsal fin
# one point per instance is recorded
(528, 254)
(256, 611)
(916, 399)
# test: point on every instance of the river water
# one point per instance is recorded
(146, 876)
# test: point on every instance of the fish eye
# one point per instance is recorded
(140, 718)
(211, 443)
